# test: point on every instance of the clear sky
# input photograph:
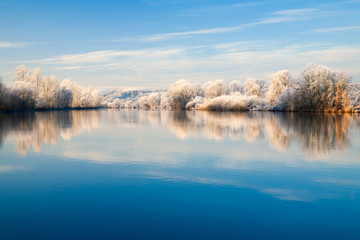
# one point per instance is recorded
(153, 43)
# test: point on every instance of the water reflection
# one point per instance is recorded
(32, 129)
(318, 134)
(256, 150)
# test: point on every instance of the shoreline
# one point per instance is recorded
(354, 112)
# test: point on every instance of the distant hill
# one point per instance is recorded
(110, 96)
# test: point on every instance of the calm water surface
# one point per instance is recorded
(179, 175)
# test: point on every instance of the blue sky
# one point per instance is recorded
(153, 43)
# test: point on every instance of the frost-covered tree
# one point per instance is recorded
(24, 95)
(89, 98)
(154, 100)
(322, 89)
(255, 87)
(279, 82)
(353, 90)
(22, 74)
(143, 102)
(63, 98)
(95, 98)
(199, 90)
(8, 98)
(225, 103)
(215, 89)
(82, 97)
(236, 87)
(47, 90)
(36, 77)
(32, 90)
(165, 100)
(286, 99)
(342, 99)
(179, 94)
(76, 92)
(314, 87)
(195, 103)
(2, 95)
(128, 104)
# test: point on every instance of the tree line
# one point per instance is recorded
(318, 88)
(32, 90)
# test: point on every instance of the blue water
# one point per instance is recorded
(179, 175)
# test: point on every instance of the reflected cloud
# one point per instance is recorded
(340, 182)
(11, 168)
(278, 190)
(290, 194)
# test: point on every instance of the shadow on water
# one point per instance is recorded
(318, 134)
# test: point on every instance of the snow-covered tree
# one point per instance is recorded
(82, 97)
(76, 92)
(47, 90)
(165, 101)
(95, 98)
(199, 90)
(143, 102)
(63, 98)
(195, 103)
(322, 89)
(36, 77)
(24, 93)
(279, 82)
(154, 100)
(236, 87)
(225, 103)
(179, 94)
(2, 95)
(215, 89)
(128, 104)
(22, 74)
(255, 87)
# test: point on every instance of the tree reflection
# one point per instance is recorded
(31, 130)
(318, 134)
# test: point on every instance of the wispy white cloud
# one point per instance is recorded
(150, 67)
(72, 67)
(298, 12)
(336, 29)
(105, 56)
(230, 63)
(289, 15)
(335, 54)
(282, 16)
(218, 8)
(240, 46)
(159, 3)
(317, 45)
(13, 44)
(351, 1)
(162, 36)
(91, 57)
